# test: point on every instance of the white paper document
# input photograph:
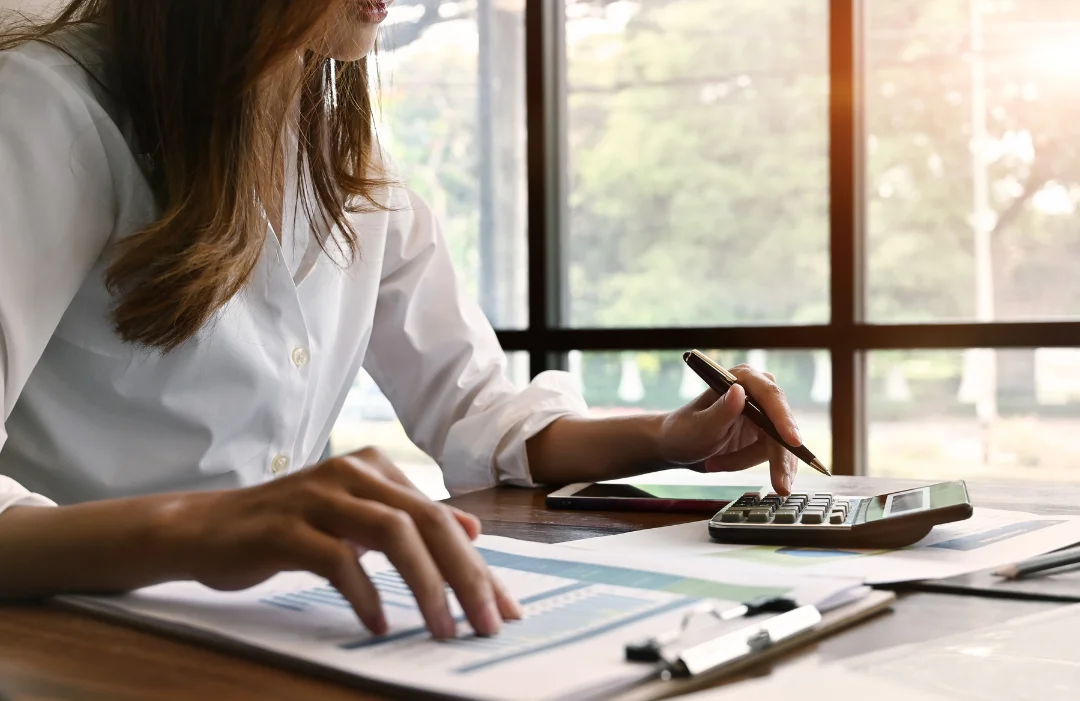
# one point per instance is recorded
(989, 538)
(581, 608)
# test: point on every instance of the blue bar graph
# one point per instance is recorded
(392, 590)
(561, 615)
(626, 577)
(578, 620)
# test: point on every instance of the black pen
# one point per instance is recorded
(720, 380)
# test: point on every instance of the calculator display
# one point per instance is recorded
(907, 501)
(912, 501)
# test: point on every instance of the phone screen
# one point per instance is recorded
(665, 491)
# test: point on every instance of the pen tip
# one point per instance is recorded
(820, 467)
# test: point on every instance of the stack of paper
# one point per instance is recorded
(581, 608)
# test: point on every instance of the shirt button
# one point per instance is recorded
(279, 464)
(300, 357)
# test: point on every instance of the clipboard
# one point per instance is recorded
(720, 659)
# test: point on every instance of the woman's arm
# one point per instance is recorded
(108, 546)
(439, 362)
(313, 520)
(710, 434)
(437, 359)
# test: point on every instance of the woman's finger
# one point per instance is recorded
(374, 457)
(770, 397)
(754, 454)
(446, 541)
(390, 530)
(508, 605)
(386, 467)
(336, 561)
(470, 523)
(782, 466)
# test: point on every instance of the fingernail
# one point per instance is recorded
(517, 609)
(490, 620)
(798, 436)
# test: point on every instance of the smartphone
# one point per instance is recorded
(620, 496)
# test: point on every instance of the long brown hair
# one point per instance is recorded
(200, 79)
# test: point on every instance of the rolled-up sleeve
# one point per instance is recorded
(438, 360)
(56, 216)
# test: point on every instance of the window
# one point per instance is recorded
(698, 147)
(882, 195)
(891, 182)
(972, 155)
(452, 96)
(930, 416)
(452, 93)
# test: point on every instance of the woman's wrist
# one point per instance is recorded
(573, 449)
(172, 530)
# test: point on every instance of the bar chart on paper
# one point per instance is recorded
(580, 610)
(570, 602)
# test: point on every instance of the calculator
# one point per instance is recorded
(826, 520)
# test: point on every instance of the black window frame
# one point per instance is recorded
(848, 336)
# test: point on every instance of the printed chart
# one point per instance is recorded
(596, 600)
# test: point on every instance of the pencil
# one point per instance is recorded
(1040, 563)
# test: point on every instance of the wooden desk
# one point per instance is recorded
(53, 654)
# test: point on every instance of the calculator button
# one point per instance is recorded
(759, 515)
(786, 516)
(837, 517)
(733, 516)
(813, 516)
(800, 495)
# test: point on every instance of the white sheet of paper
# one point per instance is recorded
(990, 538)
(581, 609)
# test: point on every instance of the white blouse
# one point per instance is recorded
(255, 394)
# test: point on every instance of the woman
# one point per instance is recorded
(201, 243)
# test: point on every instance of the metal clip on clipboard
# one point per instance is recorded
(716, 653)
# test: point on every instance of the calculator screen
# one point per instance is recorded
(910, 501)
(907, 501)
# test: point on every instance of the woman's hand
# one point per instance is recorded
(322, 519)
(713, 433)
